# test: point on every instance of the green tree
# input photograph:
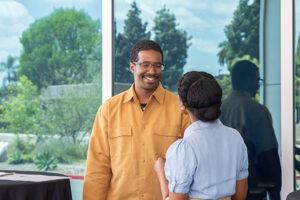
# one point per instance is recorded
(10, 68)
(134, 31)
(225, 82)
(297, 78)
(70, 118)
(60, 49)
(297, 58)
(242, 34)
(175, 44)
(18, 110)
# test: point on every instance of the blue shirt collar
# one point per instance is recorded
(200, 124)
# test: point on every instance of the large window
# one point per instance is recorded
(191, 34)
(212, 36)
(50, 83)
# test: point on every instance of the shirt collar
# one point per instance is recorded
(200, 124)
(240, 93)
(159, 94)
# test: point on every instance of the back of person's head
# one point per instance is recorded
(241, 73)
(144, 45)
(201, 94)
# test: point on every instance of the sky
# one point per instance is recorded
(17, 15)
(204, 20)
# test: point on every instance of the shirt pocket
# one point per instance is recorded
(120, 141)
(164, 137)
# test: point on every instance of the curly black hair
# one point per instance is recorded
(201, 94)
(144, 45)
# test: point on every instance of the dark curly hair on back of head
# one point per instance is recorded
(144, 45)
(201, 94)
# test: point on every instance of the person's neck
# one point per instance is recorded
(192, 117)
(143, 95)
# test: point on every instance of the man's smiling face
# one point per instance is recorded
(147, 79)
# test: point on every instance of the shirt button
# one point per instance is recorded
(173, 182)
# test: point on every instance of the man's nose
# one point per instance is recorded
(152, 69)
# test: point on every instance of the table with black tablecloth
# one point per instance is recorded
(58, 189)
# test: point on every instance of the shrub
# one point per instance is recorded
(16, 157)
(20, 151)
(20, 106)
(64, 151)
(45, 161)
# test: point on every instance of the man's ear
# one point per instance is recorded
(131, 66)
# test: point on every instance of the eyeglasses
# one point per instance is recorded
(147, 65)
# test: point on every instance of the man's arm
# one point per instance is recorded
(269, 165)
(241, 189)
(268, 157)
(98, 170)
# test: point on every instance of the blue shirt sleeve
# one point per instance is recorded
(243, 172)
(180, 166)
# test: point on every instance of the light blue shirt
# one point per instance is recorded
(207, 162)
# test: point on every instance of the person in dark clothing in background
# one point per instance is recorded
(254, 122)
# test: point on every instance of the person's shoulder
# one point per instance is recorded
(178, 146)
(119, 98)
(232, 132)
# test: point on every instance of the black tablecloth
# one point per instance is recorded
(46, 190)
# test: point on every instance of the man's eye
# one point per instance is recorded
(145, 64)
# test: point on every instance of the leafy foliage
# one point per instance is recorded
(174, 42)
(225, 82)
(61, 48)
(134, 31)
(45, 161)
(19, 108)
(71, 118)
(21, 151)
(297, 78)
(16, 157)
(242, 34)
(10, 68)
(63, 151)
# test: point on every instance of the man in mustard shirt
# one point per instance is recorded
(131, 131)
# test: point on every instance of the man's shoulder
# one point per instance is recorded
(116, 99)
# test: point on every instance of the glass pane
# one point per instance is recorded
(50, 83)
(297, 92)
(212, 36)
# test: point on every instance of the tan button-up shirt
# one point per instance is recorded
(125, 143)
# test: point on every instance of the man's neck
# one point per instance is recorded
(143, 95)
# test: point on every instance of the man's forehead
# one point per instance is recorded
(149, 55)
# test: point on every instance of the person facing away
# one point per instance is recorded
(210, 161)
(131, 131)
(254, 122)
